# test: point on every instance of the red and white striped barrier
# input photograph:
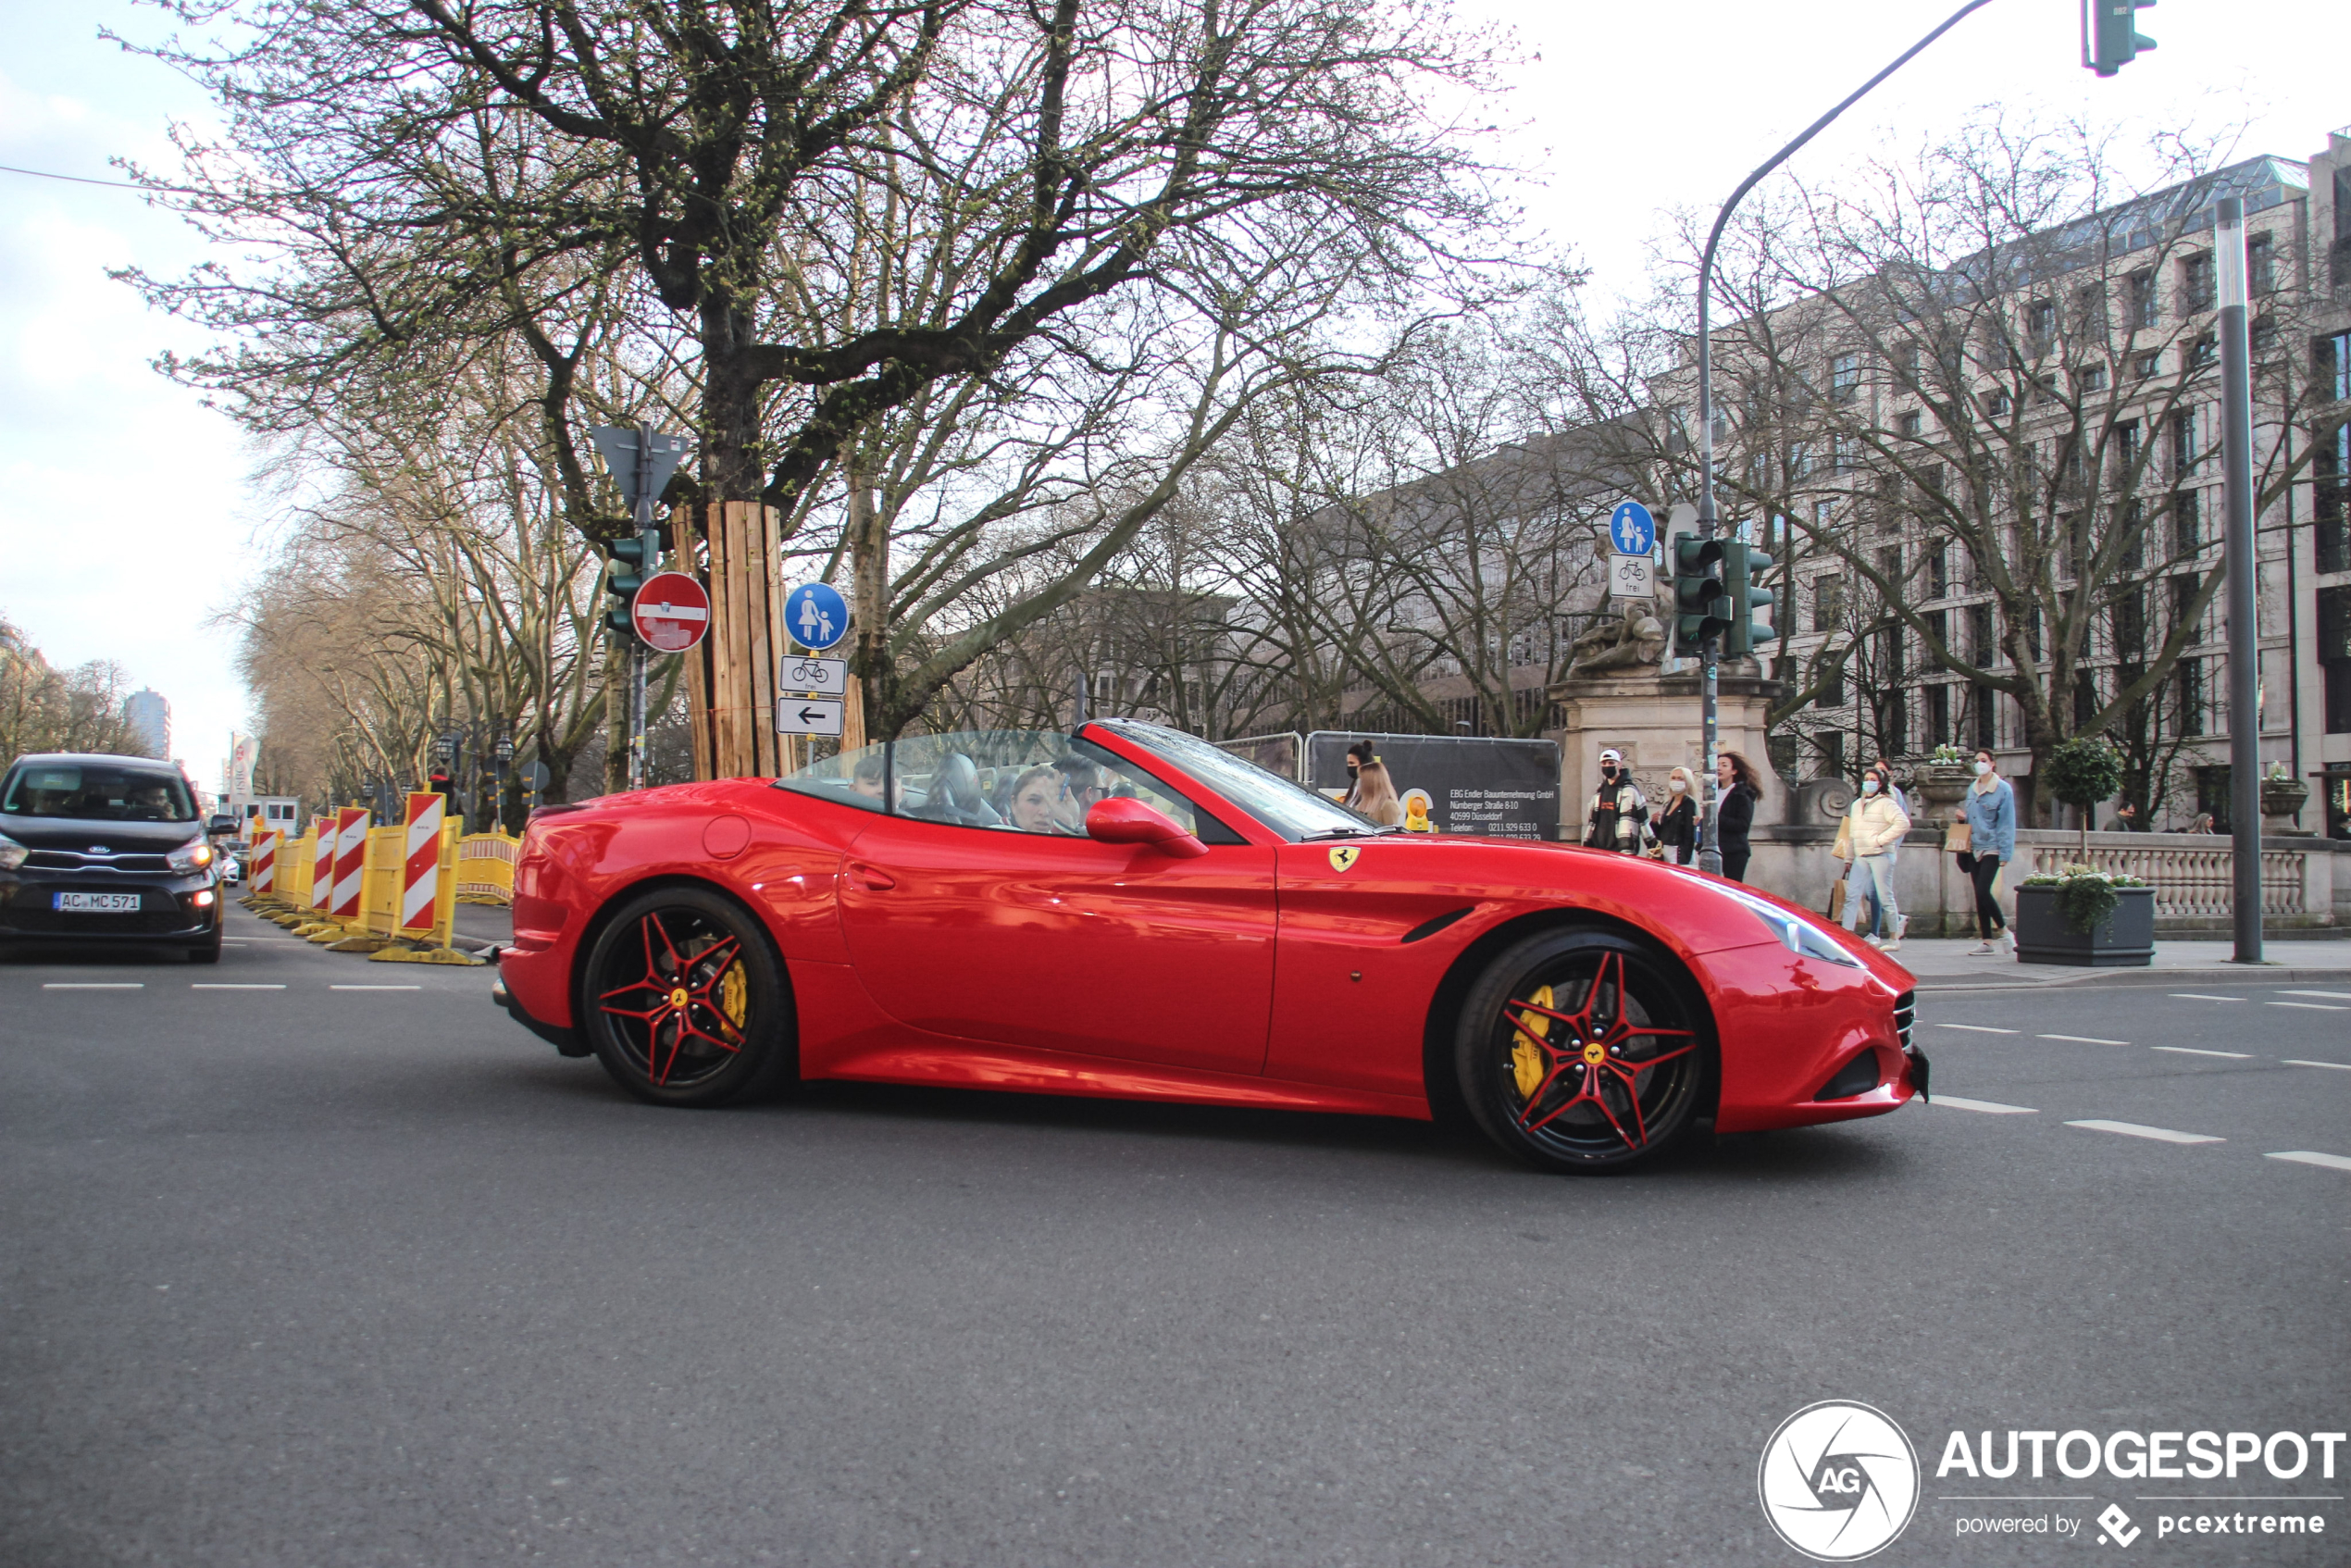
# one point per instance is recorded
(421, 883)
(265, 862)
(322, 864)
(351, 861)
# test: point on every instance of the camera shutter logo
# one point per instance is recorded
(1840, 1481)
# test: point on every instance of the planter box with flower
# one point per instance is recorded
(2091, 919)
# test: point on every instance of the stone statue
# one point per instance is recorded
(1634, 643)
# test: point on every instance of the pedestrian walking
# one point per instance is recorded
(1872, 828)
(1991, 831)
(1357, 755)
(1376, 794)
(1878, 925)
(1618, 818)
(1741, 787)
(1677, 824)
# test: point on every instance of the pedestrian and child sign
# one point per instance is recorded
(815, 615)
(1631, 529)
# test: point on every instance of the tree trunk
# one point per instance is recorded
(869, 607)
(731, 680)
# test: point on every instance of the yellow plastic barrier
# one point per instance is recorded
(486, 867)
(295, 856)
(385, 876)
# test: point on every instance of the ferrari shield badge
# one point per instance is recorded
(1343, 856)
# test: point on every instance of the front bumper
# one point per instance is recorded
(172, 909)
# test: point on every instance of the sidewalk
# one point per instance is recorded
(1942, 963)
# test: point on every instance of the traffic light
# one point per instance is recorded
(1701, 609)
(632, 560)
(1742, 564)
(2110, 39)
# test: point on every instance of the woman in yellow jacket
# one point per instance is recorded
(1873, 829)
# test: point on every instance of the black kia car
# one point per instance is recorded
(100, 849)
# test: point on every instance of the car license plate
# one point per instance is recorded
(98, 903)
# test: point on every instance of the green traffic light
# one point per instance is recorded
(1742, 564)
(1701, 609)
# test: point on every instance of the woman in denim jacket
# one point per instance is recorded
(1991, 827)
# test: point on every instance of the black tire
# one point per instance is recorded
(1627, 1080)
(684, 1002)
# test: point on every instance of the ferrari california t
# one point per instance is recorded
(1130, 911)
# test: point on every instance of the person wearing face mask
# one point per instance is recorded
(1991, 825)
(1618, 817)
(1677, 824)
(1874, 826)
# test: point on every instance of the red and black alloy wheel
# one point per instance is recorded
(685, 1001)
(1581, 1050)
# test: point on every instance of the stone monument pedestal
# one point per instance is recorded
(1653, 720)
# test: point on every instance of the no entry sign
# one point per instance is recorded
(671, 612)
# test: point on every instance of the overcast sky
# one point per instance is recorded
(126, 521)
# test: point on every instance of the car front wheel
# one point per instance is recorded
(1580, 1050)
(685, 1003)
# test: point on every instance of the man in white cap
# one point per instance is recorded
(1618, 817)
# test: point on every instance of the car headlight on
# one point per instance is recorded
(190, 857)
(11, 853)
(1799, 933)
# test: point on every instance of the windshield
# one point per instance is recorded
(1291, 810)
(98, 792)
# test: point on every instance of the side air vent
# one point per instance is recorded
(1857, 1077)
(1428, 928)
(1906, 1016)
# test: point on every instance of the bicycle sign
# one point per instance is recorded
(811, 675)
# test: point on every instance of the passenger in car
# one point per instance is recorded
(867, 779)
(1037, 803)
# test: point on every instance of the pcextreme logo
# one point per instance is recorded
(1840, 1481)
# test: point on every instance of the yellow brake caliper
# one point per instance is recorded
(734, 995)
(1526, 1061)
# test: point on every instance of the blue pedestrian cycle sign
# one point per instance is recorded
(1631, 529)
(815, 615)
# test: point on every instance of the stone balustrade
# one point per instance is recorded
(2306, 882)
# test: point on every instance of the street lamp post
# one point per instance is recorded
(1710, 855)
(2245, 630)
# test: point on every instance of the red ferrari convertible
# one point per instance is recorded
(1130, 911)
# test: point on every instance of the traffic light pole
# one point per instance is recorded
(648, 563)
(2245, 630)
(1710, 854)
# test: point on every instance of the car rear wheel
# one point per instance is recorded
(206, 952)
(1580, 1050)
(685, 1003)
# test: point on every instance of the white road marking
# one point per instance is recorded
(2161, 1135)
(2338, 1066)
(1974, 1028)
(2304, 1157)
(374, 988)
(1991, 1107)
(2192, 1050)
(2083, 1039)
(2331, 996)
(225, 986)
(2199, 996)
(93, 985)
(2311, 1006)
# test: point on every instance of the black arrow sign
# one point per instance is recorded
(810, 715)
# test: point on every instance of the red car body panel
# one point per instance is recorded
(1264, 974)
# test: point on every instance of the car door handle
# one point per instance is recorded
(872, 877)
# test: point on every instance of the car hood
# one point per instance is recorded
(114, 837)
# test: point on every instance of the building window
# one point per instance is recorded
(2044, 388)
(2132, 521)
(1845, 377)
(2330, 360)
(2260, 265)
(2261, 339)
(1910, 424)
(2203, 353)
(2334, 656)
(1831, 744)
(2126, 453)
(1938, 714)
(2187, 521)
(2142, 298)
(1828, 602)
(2186, 452)
(2184, 587)
(2196, 283)
(1832, 687)
(2331, 497)
(1822, 511)
(2089, 309)
(2090, 378)
(1986, 714)
(2149, 364)
(2040, 324)
(1996, 403)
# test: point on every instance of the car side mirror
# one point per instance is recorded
(1121, 820)
(221, 825)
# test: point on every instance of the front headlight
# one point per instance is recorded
(1797, 933)
(11, 853)
(190, 857)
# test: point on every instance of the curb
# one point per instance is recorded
(2096, 978)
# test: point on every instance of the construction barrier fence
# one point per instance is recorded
(486, 867)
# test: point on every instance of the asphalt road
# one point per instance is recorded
(321, 1275)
